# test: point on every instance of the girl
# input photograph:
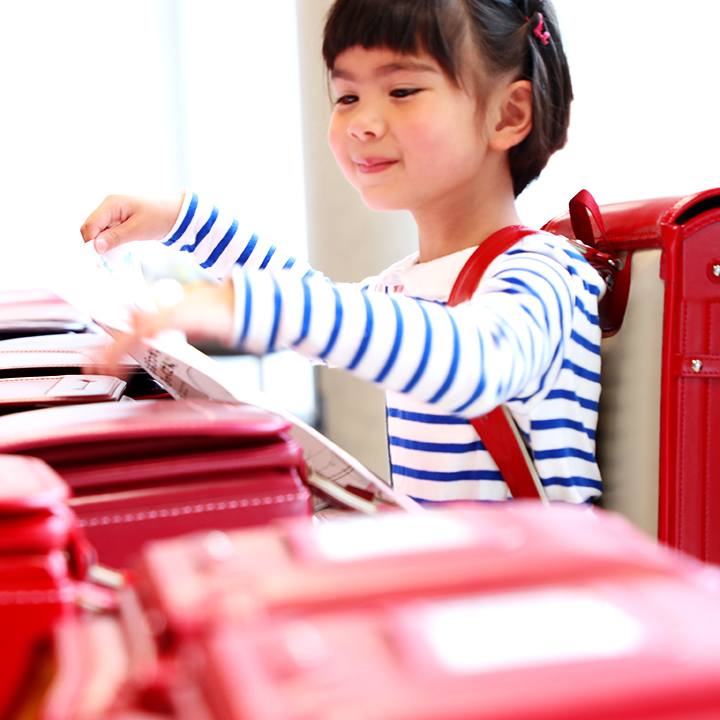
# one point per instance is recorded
(446, 108)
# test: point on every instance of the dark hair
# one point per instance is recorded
(503, 33)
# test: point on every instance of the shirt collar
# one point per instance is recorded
(431, 280)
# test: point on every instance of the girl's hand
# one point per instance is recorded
(203, 314)
(123, 218)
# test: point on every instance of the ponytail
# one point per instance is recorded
(547, 69)
(523, 36)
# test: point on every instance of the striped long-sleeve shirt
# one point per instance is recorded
(529, 338)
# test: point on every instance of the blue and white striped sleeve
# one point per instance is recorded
(217, 241)
(465, 360)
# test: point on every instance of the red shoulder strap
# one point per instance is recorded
(497, 429)
(469, 277)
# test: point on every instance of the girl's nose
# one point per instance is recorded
(366, 124)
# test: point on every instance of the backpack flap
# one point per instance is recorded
(148, 469)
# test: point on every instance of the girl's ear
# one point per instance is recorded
(514, 116)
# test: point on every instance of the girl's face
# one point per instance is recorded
(403, 134)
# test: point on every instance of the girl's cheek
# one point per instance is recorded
(334, 136)
(337, 138)
(336, 148)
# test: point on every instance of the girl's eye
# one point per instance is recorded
(404, 92)
(346, 100)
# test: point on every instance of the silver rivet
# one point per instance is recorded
(218, 546)
(697, 365)
(716, 270)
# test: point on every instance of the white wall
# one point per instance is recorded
(645, 116)
(145, 96)
(85, 111)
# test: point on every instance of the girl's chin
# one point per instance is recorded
(381, 202)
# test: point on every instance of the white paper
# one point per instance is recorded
(107, 287)
(359, 538)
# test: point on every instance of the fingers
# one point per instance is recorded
(114, 210)
(204, 314)
(133, 228)
(124, 218)
(117, 353)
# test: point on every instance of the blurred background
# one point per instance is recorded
(230, 98)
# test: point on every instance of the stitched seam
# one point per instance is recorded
(709, 346)
(680, 448)
(47, 352)
(179, 510)
(647, 235)
(705, 479)
(44, 377)
(53, 596)
(706, 474)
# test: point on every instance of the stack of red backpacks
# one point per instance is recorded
(512, 612)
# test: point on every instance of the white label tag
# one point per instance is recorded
(540, 627)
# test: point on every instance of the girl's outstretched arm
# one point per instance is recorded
(464, 360)
(509, 341)
(217, 241)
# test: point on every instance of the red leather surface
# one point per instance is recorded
(690, 457)
(365, 653)
(120, 523)
(39, 532)
(28, 485)
(38, 316)
(35, 591)
(286, 565)
(139, 426)
(118, 473)
(629, 225)
(381, 662)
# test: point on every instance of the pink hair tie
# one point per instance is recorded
(539, 31)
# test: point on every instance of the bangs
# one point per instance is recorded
(410, 27)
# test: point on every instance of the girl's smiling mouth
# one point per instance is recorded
(374, 165)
